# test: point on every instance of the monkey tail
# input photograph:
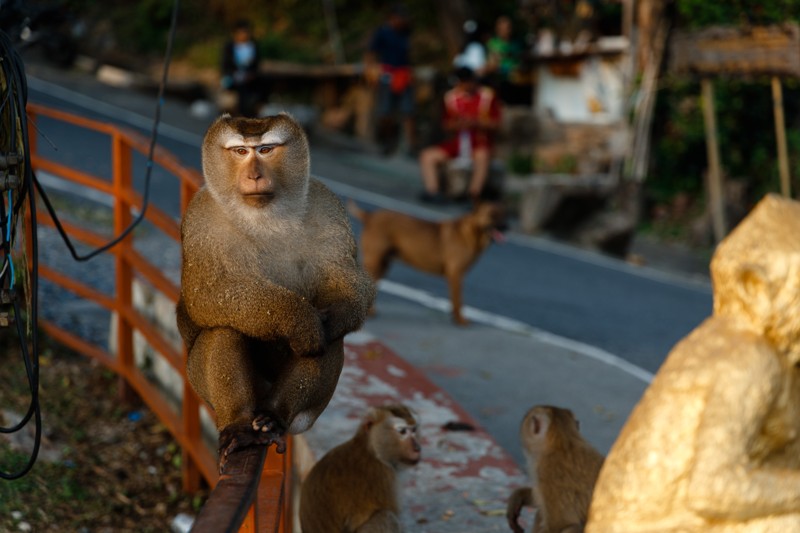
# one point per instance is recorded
(356, 211)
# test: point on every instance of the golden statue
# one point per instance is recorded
(712, 446)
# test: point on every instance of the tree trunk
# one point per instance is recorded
(452, 14)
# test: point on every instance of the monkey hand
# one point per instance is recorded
(262, 431)
(309, 341)
(518, 499)
(309, 336)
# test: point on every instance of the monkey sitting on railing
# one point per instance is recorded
(270, 283)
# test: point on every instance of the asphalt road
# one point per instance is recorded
(551, 323)
(634, 313)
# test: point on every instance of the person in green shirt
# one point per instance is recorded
(503, 54)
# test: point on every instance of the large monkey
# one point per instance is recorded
(563, 469)
(353, 488)
(270, 283)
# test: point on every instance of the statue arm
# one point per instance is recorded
(725, 482)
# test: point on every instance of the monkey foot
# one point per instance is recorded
(263, 431)
(269, 431)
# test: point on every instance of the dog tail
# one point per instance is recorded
(356, 211)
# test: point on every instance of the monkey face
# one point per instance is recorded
(257, 164)
(393, 435)
(406, 433)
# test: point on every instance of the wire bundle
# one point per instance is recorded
(16, 154)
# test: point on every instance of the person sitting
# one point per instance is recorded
(471, 117)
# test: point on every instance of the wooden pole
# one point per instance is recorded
(716, 202)
(780, 136)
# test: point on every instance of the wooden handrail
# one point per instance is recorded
(254, 497)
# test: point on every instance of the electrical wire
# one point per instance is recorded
(153, 138)
(14, 74)
(16, 83)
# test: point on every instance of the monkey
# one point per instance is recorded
(270, 283)
(563, 468)
(353, 487)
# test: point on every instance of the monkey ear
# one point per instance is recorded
(371, 418)
(536, 425)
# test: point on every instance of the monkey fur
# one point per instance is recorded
(353, 487)
(563, 469)
(270, 283)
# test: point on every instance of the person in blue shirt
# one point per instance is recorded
(388, 66)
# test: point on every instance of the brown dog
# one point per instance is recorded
(447, 248)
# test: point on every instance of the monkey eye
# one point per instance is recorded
(240, 150)
(264, 149)
(403, 431)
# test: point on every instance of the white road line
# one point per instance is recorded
(119, 113)
(527, 241)
(382, 201)
(514, 326)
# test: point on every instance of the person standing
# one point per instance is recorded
(240, 68)
(473, 52)
(388, 65)
(504, 56)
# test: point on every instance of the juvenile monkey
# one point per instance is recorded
(270, 283)
(353, 488)
(563, 468)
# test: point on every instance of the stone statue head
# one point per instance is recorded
(756, 274)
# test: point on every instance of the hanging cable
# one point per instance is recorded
(12, 108)
(149, 168)
(13, 111)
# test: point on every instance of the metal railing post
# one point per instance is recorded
(122, 163)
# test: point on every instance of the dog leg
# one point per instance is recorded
(454, 283)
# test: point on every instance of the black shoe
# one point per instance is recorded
(463, 198)
(433, 198)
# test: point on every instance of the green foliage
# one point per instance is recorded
(520, 163)
(744, 113)
(745, 131)
(699, 13)
(142, 25)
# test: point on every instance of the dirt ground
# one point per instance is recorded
(103, 466)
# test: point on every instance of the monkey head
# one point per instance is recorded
(545, 426)
(392, 432)
(258, 169)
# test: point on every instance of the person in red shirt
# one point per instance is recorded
(471, 118)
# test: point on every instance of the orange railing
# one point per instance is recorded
(271, 500)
